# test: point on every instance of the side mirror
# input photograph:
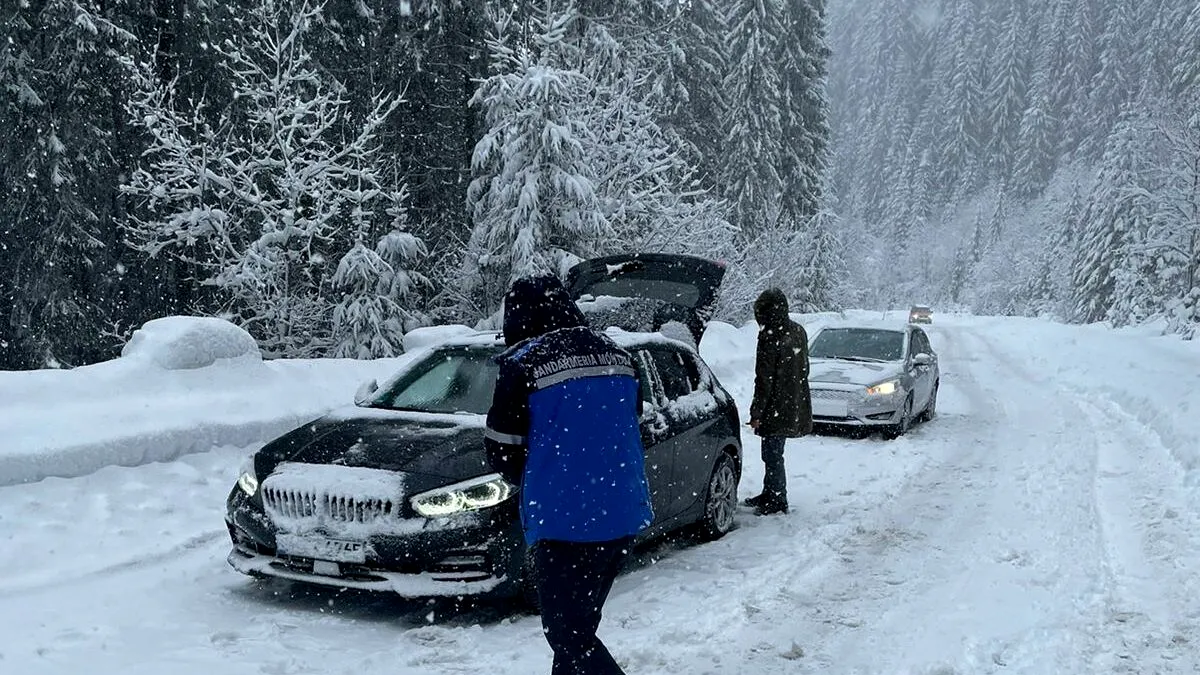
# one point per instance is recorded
(923, 359)
(365, 391)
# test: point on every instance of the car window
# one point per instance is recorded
(447, 381)
(922, 343)
(870, 344)
(678, 377)
(645, 377)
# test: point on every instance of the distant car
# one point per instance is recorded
(920, 314)
(395, 493)
(869, 377)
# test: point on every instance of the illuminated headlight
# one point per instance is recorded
(246, 478)
(471, 495)
(883, 388)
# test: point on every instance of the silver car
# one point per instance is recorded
(873, 377)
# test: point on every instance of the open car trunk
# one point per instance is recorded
(645, 291)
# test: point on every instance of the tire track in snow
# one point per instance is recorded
(28, 585)
(1149, 620)
(835, 597)
(1155, 597)
(798, 556)
(992, 563)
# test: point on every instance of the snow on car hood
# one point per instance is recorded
(836, 371)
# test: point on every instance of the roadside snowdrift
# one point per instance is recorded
(176, 391)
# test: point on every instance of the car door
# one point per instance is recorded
(924, 375)
(656, 442)
(691, 411)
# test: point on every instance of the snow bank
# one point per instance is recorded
(188, 342)
(133, 410)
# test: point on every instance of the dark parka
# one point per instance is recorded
(782, 404)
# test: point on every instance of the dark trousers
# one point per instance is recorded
(573, 580)
(774, 475)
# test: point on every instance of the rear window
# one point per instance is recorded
(651, 289)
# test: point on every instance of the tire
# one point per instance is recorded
(720, 500)
(898, 430)
(931, 409)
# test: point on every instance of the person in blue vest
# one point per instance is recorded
(564, 427)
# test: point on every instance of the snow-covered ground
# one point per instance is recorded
(1048, 521)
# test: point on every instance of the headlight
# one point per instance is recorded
(471, 495)
(246, 478)
(883, 388)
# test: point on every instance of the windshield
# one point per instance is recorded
(459, 380)
(862, 344)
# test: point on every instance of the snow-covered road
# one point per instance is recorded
(1048, 521)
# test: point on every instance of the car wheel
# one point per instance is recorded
(901, 428)
(720, 500)
(931, 409)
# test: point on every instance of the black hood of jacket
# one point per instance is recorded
(537, 305)
(771, 308)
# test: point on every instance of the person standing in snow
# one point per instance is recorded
(564, 426)
(782, 406)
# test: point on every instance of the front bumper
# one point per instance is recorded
(411, 585)
(480, 553)
(849, 406)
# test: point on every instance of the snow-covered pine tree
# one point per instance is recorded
(265, 198)
(803, 260)
(962, 106)
(690, 81)
(804, 109)
(1038, 146)
(750, 173)
(534, 195)
(63, 148)
(821, 275)
(1114, 207)
(377, 286)
(1174, 234)
(644, 186)
(1185, 76)
(1008, 91)
(1081, 62)
(1115, 83)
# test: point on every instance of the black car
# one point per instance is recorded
(395, 493)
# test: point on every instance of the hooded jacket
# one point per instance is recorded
(782, 403)
(564, 422)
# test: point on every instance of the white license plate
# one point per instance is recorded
(321, 548)
(828, 408)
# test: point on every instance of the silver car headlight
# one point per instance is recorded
(247, 480)
(884, 388)
(470, 495)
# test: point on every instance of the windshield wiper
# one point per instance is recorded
(864, 359)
